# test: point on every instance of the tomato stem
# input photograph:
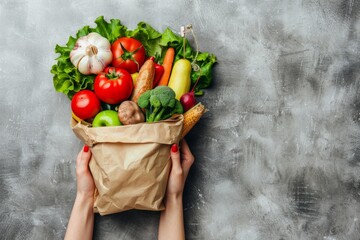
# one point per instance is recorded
(112, 75)
(129, 55)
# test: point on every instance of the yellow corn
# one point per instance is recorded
(191, 117)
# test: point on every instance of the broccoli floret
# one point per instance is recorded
(155, 101)
(177, 108)
(159, 103)
(144, 99)
(172, 103)
(164, 93)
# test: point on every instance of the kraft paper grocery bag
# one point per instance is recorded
(130, 164)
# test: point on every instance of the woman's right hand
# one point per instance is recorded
(171, 225)
(85, 181)
(182, 160)
(81, 222)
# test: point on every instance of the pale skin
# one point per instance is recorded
(171, 225)
(81, 222)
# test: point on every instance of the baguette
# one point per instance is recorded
(144, 81)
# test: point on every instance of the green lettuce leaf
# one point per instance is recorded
(111, 31)
(149, 37)
(68, 80)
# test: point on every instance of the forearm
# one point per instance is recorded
(171, 224)
(81, 222)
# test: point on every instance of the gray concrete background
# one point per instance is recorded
(278, 155)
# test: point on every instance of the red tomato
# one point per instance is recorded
(128, 53)
(85, 104)
(113, 85)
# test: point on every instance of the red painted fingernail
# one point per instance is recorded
(174, 148)
(86, 148)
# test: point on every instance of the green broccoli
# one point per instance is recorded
(159, 103)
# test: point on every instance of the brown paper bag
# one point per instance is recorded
(130, 164)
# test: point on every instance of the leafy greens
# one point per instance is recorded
(68, 80)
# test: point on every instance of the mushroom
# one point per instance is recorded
(130, 113)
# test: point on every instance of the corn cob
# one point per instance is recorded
(191, 117)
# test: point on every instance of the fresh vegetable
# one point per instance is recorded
(203, 60)
(134, 77)
(145, 80)
(167, 65)
(128, 53)
(68, 80)
(159, 71)
(106, 118)
(91, 54)
(191, 117)
(180, 80)
(130, 113)
(188, 100)
(85, 104)
(113, 85)
(159, 104)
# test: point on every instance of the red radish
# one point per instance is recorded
(188, 99)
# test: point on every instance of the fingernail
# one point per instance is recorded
(86, 148)
(174, 148)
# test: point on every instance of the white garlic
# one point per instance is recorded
(91, 54)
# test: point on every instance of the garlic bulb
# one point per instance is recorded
(91, 54)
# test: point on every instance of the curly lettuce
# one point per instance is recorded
(68, 80)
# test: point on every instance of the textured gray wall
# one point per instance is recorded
(278, 155)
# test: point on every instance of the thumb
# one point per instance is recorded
(82, 161)
(187, 157)
(175, 157)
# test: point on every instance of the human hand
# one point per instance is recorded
(85, 181)
(171, 225)
(182, 161)
(81, 222)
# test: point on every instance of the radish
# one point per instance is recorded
(188, 99)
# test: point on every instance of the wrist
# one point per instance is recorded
(173, 199)
(84, 198)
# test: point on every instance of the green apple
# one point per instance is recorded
(106, 118)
